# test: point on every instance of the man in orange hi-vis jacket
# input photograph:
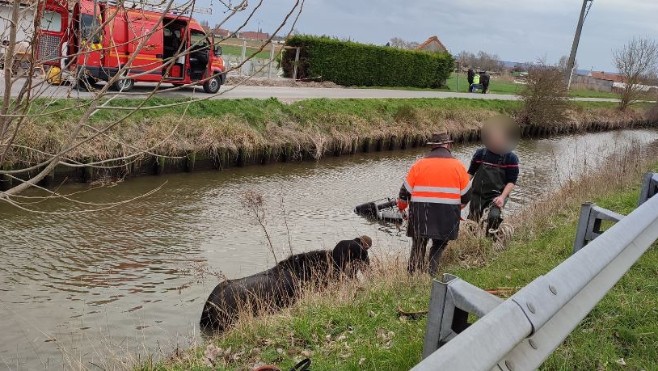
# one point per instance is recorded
(436, 188)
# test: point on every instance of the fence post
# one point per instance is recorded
(294, 71)
(269, 68)
(243, 56)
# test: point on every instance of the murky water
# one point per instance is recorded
(91, 289)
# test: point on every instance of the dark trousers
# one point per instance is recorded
(418, 250)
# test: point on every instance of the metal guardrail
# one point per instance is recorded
(589, 224)
(521, 332)
(649, 187)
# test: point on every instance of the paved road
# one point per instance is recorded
(286, 94)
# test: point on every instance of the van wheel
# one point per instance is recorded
(212, 86)
(124, 84)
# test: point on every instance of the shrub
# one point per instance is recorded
(545, 97)
(653, 113)
(349, 63)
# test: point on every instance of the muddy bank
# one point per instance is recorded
(216, 135)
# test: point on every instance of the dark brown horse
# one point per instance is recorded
(275, 288)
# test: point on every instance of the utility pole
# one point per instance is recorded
(576, 41)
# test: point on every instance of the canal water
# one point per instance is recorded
(82, 290)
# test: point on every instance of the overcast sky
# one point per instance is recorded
(515, 30)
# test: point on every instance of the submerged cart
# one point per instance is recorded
(385, 210)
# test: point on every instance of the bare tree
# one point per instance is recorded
(400, 43)
(482, 60)
(636, 59)
(563, 64)
(30, 105)
(545, 97)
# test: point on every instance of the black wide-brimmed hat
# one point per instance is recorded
(439, 139)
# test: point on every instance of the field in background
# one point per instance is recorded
(506, 85)
(233, 47)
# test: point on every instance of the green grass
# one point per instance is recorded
(237, 51)
(582, 93)
(359, 329)
(459, 83)
(257, 112)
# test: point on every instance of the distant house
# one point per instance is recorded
(223, 33)
(433, 44)
(253, 35)
(607, 76)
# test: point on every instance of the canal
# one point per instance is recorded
(86, 289)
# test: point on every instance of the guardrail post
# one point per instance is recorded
(649, 187)
(451, 302)
(583, 223)
(589, 224)
(435, 316)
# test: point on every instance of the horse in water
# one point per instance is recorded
(275, 288)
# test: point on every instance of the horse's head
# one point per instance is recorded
(351, 256)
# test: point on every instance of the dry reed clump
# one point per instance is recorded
(229, 139)
(605, 118)
(652, 115)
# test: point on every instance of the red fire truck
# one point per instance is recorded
(136, 41)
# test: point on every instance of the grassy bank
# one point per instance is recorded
(220, 133)
(357, 326)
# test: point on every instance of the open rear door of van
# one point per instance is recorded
(53, 26)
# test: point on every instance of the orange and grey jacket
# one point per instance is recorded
(436, 188)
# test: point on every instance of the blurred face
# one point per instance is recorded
(500, 135)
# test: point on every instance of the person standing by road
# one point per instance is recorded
(484, 80)
(495, 171)
(436, 188)
(470, 75)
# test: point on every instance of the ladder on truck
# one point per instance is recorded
(177, 9)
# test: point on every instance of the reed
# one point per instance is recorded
(245, 132)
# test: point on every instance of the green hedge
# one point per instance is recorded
(349, 63)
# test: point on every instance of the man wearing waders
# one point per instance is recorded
(495, 170)
(436, 188)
